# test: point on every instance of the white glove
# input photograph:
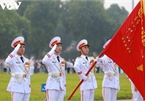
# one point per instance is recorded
(97, 58)
(15, 49)
(52, 50)
(110, 74)
(85, 78)
(13, 53)
(100, 62)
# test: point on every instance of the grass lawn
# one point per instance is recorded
(72, 81)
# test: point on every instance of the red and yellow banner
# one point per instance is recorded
(127, 47)
(143, 5)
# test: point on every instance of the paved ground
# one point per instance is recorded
(124, 100)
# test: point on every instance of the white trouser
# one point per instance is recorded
(20, 96)
(55, 95)
(109, 94)
(137, 96)
(87, 95)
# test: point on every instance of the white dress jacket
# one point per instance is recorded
(81, 66)
(17, 66)
(110, 69)
(56, 72)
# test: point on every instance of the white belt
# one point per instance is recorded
(19, 76)
(56, 75)
(90, 75)
(110, 74)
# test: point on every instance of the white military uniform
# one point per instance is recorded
(110, 82)
(136, 96)
(19, 84)
(56, 82)
(81, 67)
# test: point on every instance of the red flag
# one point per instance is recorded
(127, 48)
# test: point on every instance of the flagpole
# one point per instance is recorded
(82, 79)
(132, 4)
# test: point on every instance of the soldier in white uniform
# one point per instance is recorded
(55, 64)
(136, 96)
(19, 84)
(81, 66)
(110, 84)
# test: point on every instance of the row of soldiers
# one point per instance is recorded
(20, 85)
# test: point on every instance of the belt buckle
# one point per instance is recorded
(60, 74)
(24, 75)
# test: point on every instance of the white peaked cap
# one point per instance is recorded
(18, 40)
(82, 43)
(55, 40)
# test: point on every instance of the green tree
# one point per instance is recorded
(23, 7)
(89, 20)
(86, 19)
(117, 15)
(44, 17)
(11, 24)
